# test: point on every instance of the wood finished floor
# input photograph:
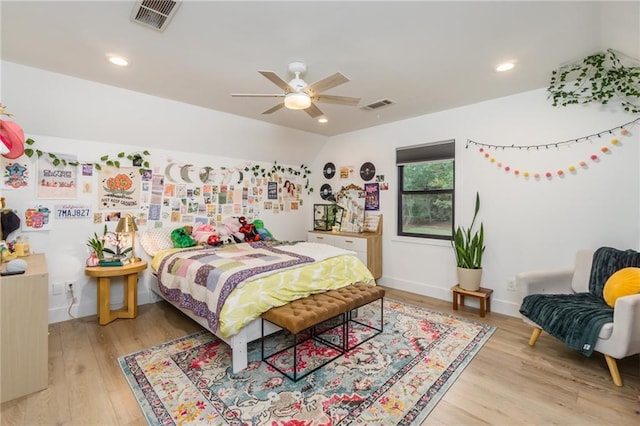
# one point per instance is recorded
(507, 383)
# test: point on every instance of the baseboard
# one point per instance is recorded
(504, 307)
(88, 307)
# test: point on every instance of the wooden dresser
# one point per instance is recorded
(368, 246)
(24, 328)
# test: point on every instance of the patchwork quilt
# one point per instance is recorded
(254, 276)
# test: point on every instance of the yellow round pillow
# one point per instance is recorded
(624, 282)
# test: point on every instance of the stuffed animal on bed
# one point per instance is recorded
(181, 238)
(248, 229)
(262, 231)
(202, 232)
(231, 227)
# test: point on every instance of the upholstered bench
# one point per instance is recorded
(304, 315)
(355, 296)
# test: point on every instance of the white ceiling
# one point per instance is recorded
(425, 56)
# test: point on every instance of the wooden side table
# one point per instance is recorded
(483, 294)
(104, 274)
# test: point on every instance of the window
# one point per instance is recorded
(426, 190)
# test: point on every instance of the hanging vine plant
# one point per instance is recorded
(598, 78)
(303, 171)
(136, 157)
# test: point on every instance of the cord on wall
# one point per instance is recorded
(73, 299)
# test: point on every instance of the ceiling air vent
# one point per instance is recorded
(154, 13)
(378, 104)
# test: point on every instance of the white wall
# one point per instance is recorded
(46, 103)
(529, 224)
(68, 115)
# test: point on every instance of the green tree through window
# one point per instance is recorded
(426, 196)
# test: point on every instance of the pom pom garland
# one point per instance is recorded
(484, 148)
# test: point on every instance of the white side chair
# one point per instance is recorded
(617, 339)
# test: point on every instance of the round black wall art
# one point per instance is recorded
(329, 170)
(326, 192)
(367, 171)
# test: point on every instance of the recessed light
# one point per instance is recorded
(506, 66)
(118, 60)
(323, 120)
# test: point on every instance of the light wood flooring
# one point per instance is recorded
(507, 383)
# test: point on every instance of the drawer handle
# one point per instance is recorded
(348, 241)
(320, 238)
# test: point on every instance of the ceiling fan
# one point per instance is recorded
(300, 95)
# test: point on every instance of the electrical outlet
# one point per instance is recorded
(511, 285)
(57, 289)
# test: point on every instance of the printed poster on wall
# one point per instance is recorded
(372, 196)
(272, 190)
(36, 218)
(57, 182)
(119, 188)
(14, 174)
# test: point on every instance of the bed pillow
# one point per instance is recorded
(155, 240)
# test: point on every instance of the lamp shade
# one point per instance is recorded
(297, 100)
(127, 224)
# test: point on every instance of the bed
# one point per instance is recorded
(225, 289)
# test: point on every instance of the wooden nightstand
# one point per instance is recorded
(104, 274)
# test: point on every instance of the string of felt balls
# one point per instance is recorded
(560, 172)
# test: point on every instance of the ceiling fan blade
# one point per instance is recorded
(313, 111)
(273, 77)
(274, 108)
(326, 83)
(257, 95)
(339, 100)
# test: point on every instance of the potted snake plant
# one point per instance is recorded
(468, 245)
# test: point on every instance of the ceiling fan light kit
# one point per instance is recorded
(298, 95)
(297, 100)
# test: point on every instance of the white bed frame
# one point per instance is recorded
(237, 342)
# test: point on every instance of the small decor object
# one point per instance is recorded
(7, 251)
(329, 170)
(127, 225)
(11, 137)
(17, 266)
(116, 261)
(93, 260)
(352, 199)
(469, 247)
(96, 243)
(23, 247)
(327, 216)
(367, 171)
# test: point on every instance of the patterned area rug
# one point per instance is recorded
(396, 377)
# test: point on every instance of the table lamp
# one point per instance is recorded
(127, 225)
